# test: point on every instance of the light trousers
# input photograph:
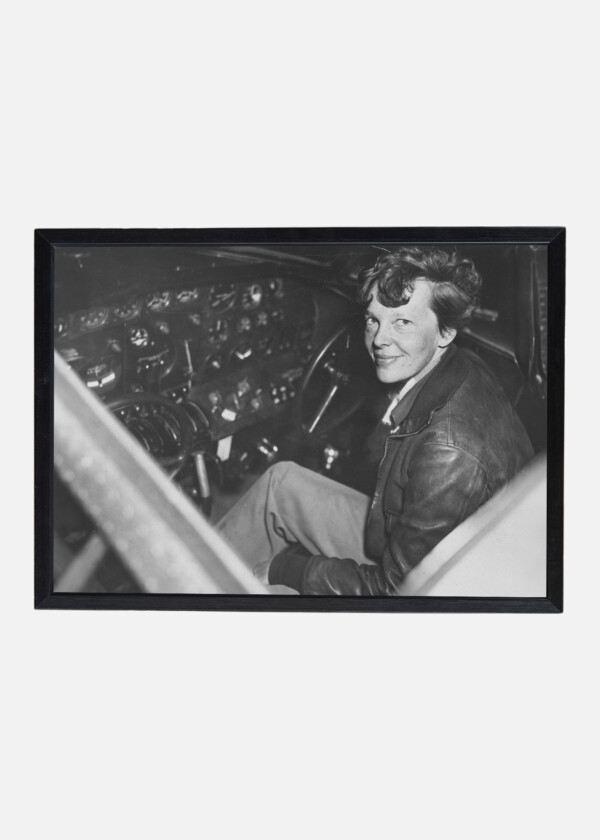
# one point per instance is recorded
(290, 504)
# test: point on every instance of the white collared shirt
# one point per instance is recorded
(410, 383)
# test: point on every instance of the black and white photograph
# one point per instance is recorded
(299, 469)
(364, 420)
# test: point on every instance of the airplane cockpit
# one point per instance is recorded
(218, 361)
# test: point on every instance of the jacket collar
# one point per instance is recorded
(440, 385)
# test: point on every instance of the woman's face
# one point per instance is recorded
(402, 340)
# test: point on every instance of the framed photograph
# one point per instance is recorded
(316, 419)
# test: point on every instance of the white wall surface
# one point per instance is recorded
(229, 114)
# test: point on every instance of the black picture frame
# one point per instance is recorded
(47, 240)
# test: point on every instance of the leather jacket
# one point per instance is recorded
(460, 442)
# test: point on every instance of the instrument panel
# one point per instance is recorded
(234, 349)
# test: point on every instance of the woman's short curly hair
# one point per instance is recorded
(455, 282)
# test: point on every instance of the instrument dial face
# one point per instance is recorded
(93, 318)
(218, 331)
(186, 296)
(275, 286)
(139, 336)
(261, 319)
(127, 311)
(244, 324)
(222, 296)
(214, 363)
(101, 376)
(252, 296)
(241, 354)
(157, 301)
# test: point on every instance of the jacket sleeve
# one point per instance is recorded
(445, 485)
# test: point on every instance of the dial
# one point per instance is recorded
(139, 336)
(101, 376)
(241, 354)
(252, 296)
(221, 297)
(93, 318)
(218, 331)
(244, 324)
(127, 311)
(275, 286)
(261, 319)
(186, 296)
(157, 301)
(214, 363)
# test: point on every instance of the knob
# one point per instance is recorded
(243, 352)
(330, 456)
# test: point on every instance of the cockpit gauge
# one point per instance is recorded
(214, 363)
(222, 296)
(244, 324)
(218, 331)
(157, 301)
(277, 315)
(275, 286)
(252, 296)
(241, 354)
(93, 318)
(186, 296)
(127, 311)
(139, 336)
(261, 319)
(101, 376)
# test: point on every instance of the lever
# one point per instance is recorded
(324, 406)
(203, 483)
